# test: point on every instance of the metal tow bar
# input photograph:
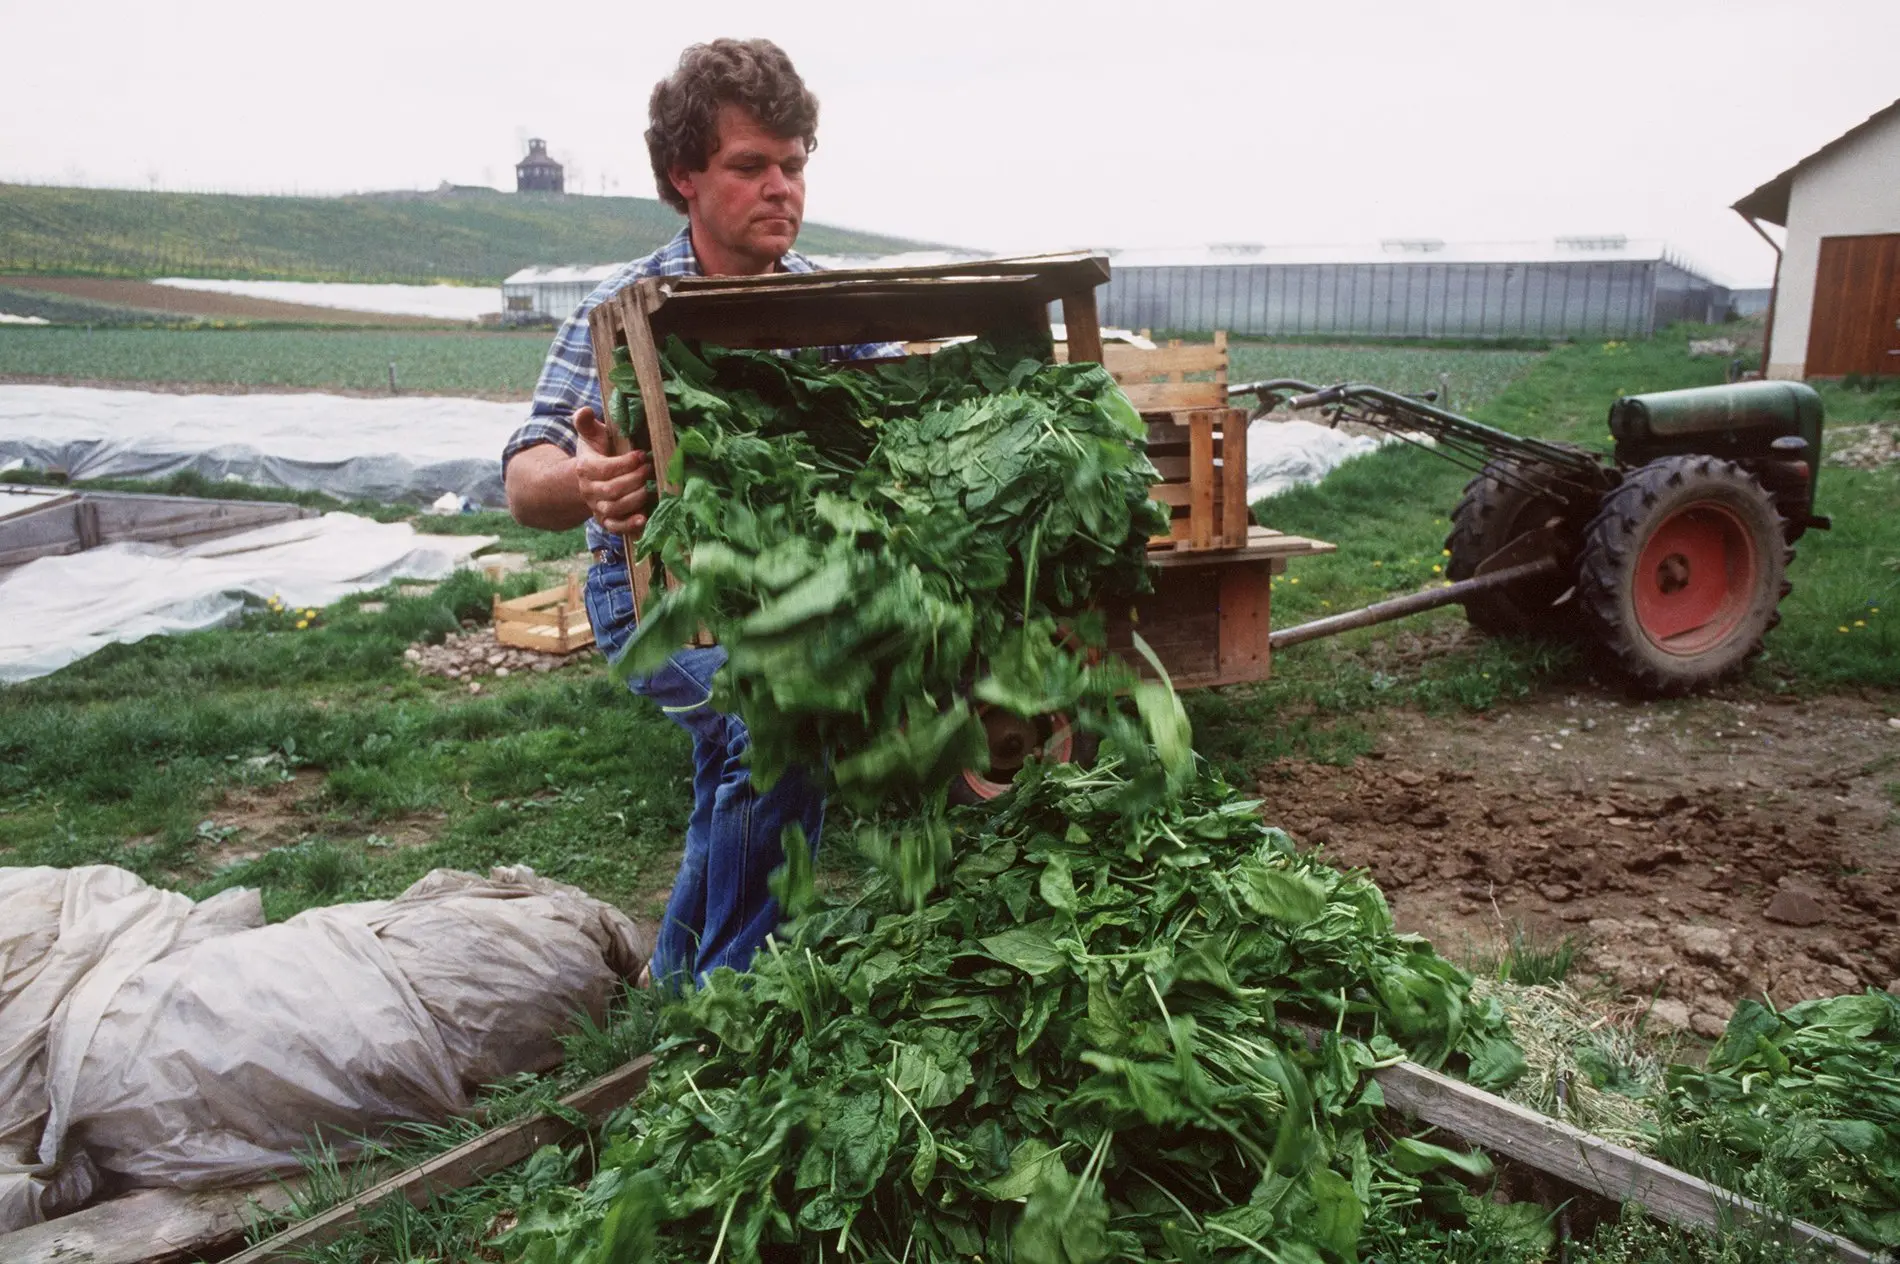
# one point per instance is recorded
(1414, 603)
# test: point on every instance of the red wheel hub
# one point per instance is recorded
(1013, 740)
(1695, 579)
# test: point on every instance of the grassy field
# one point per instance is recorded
(448, 363)
(474, 237)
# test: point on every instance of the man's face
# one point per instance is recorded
(746, 207)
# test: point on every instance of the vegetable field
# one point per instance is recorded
(1475, 376)
(452, 363)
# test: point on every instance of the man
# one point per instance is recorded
(730, 132)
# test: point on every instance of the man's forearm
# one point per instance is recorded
(543, 491)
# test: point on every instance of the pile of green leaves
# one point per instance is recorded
(881, 551)
(1801, 1109)
(1082, 1048)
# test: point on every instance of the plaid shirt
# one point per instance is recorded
(569, 380)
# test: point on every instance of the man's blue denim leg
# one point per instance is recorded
(721, 909)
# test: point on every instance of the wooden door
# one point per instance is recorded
(1856, 325)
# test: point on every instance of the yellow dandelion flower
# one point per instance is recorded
(1438, 570)
(1860, 623)
(1444, 552)
(1842, 628)
(304, 623)
(1293, 579)
(1378, 563)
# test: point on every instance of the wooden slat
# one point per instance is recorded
(1172, 469)
(1235, 515)
(828, 312)
(1167, 397)
(462, 1166)
(1201, 479)
(1261, 542)
(1137, 363)
(1081, 324)
(148, 1226)
(1603, 1167)
(1246, 597)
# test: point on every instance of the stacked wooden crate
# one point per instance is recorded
(1197, 443)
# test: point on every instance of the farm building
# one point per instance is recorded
(538, 173)
(1572, 287)
(538, 294)
(1836, 306)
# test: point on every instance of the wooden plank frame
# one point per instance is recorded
(1588, 1161)
(553, 620)
(465, 1164)
(787, 309)
(1201, 456)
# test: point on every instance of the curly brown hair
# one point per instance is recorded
(683, 112)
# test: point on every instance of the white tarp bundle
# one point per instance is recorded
(57, 610)
(443, 302)
(401, 449)
(170, 1044)
(1285, 454)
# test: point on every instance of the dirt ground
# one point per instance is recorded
(176, 302)
(1699, 851)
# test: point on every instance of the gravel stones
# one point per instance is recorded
(474, 653)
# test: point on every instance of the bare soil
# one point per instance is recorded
(1700, 851)
(283, 813)
(173, 301)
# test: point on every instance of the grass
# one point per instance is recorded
(477, 237)
(448, 363)
(124, 757)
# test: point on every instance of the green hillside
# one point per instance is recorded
(463, 235)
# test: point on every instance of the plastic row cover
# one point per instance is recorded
(158, 1042)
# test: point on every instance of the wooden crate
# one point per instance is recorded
(1211, 611)
(553, 620)
(792, 309)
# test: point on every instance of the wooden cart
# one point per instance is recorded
(1208, 619)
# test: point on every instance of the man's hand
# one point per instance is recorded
(613, 488)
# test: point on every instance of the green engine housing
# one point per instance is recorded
(1739, 422)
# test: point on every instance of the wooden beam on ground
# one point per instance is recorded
(1615, 1171)
(147, 1226)
(462, 1166)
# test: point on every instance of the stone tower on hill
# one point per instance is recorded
(538, 173)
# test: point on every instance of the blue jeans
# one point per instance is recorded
(721, 910)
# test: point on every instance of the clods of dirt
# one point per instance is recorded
(1700, 851)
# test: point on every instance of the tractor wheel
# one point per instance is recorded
(1013, 742)
(1682, 570)
(1492, 513)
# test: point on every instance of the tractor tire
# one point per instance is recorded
(1491, 514)
(1682, 571)
(1013, 741)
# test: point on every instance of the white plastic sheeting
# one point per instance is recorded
(60, 609)
(1285, 454)
(7, 318)
(403, 449)
(170, 1044)
(443, 302)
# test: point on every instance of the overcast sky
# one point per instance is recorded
(1003, 126)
